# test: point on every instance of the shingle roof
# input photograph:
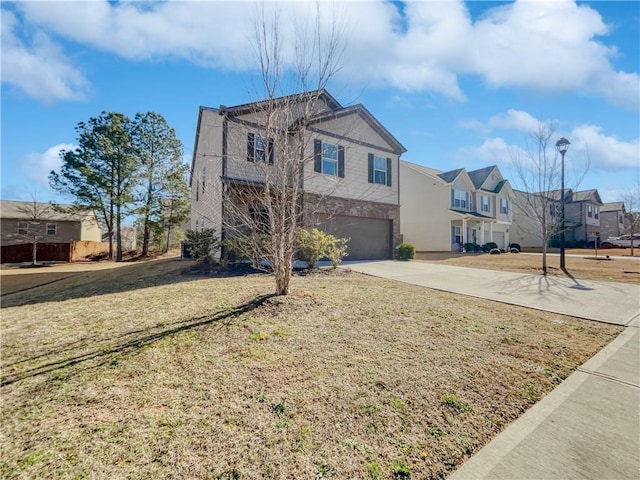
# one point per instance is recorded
(478, 177)
(612, 207)
(60, 213)
(451, 175)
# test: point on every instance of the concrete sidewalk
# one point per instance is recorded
(589, 426)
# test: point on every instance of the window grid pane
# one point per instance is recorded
(329, 159)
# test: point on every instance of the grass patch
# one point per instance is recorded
(154, 374)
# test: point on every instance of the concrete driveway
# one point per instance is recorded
(589, 426)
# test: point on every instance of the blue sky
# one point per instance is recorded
(459, 84)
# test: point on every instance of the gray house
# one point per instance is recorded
(349, 183)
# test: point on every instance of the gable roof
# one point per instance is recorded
(587, 196)
(451, 175)
(366, 115)
(478, 177)
(321, 95)
(60, 213)
(612, 207)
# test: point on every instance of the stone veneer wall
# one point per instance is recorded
(316, 204)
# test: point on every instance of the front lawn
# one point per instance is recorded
(143, 372)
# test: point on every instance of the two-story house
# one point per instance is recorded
(612, 217)
(581, 218)
(349, 168)
(441, 211)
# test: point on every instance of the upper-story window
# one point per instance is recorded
(52, 229)
(328, 158)
(23, 228)
(379, 170)
(259, 149)
(460, 199)
(589, 211)
(504, 206)
(484, 203)
(596, 212)
(620, 219)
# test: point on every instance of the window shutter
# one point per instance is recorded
(389, 163)
(341, 162)
(250, 147)
(317, 155)
(453, 203)
(270, 146)
(371, 168)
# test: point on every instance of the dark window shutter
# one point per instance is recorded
(453, 203)
(317, 155)
(270, 146)
(371, 168)
(341, 162)
(250, 148)
(389, 163)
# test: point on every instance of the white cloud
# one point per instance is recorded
(545, 46)
(40, 70)
(604, 151)
(37, 166)
(515, 120)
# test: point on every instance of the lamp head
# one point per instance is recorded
(563, 145)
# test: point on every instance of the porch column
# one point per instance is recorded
(464, 231)
(491, 232)
(506, 240)
(482, 242)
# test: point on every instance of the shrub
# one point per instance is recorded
(336, 249)
(405, 251)
(487, 247)
(514, 250)
(495, 251)
(471, 247)
(515, 245)
(502, 250)
(201, 244)
(313, 245)
(246, 247)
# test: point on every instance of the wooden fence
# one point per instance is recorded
(51, 252)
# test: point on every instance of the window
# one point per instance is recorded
(379, 170)
(620, 219)
(484, 203)
(504, 206)
(596, 212)
(457, 235)
(52, 229)
(328, 158)
(204, 177)
(460, 199)
(589, 211)
(23, 228)
(260, 218)
(259, 149)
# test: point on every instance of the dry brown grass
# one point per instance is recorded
(142, 372)
(582, 264)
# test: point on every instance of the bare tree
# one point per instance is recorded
(631, 201)
(538, 170)
(263, 210)
(36, 215)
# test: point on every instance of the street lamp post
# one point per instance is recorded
(562, 145)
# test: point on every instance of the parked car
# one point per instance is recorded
(624, 241)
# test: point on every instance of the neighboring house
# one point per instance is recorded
(582, 218)
(441, 211)
(350, 185)
(17, 226)
(612, 220)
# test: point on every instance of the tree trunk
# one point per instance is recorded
(118, 235)
(34, 259)
(145, 238)
(544, 257)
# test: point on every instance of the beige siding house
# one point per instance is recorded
(350, 182)
(17, 226)
(612, 217)
(441, 211)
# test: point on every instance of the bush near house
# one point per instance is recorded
(516, 246)
(487, 247)
(470, 247)
(201, 244)
(314, 245)
(495, 251)
(405, 251)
